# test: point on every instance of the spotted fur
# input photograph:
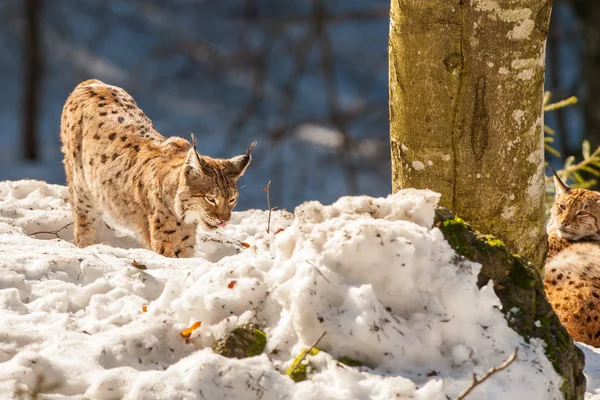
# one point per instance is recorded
(572, 270)
(117, 164)
(572, 285)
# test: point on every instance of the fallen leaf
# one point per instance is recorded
(144, 308)
(231, 284)
(138, 265)
(279, 230)
(187, 332)
(246, 245)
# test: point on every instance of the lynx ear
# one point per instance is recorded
(239, 164)
(561, 187)
(195, 161)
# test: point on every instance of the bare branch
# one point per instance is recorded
(318, 270)
(476, 381)
(266, 189)
(52, 232)
(307, 352)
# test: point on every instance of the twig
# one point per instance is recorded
(491, 371)
(266, 189)
(52, 232)
(307, 352)
(318, 270)
(561, 104)
(583, 163)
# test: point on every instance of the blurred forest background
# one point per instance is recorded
(306, 78)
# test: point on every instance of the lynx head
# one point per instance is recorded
(208, 187)
(575, 214)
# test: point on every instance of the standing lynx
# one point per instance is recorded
(117, 164)
(572, 271)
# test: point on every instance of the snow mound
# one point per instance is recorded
(105, 321)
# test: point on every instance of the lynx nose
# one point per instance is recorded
(222, 223)
(565, 224)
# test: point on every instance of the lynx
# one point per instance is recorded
(572, 270)
(117, 164)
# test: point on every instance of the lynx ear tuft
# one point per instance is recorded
(560, 186)
(239, 164)
(195, 161)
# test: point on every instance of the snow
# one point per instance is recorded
(370, 272)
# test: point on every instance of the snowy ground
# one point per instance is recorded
(104, 322)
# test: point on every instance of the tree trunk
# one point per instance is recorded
(466, 89)
(32, 63)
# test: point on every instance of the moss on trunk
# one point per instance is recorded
(519, 285)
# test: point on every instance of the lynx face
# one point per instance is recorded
(208, 188)
(575, 214)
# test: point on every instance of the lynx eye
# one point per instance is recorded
(210, 201)
(561, 206)
(232, 200)
(582, 213)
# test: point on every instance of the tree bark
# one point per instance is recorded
(33, 75)
(466, 88)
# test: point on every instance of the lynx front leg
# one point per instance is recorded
(172, 238)
(86, 220)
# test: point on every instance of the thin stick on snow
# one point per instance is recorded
(266, 189)
(307, 352)
(52, 232)
(318, 270)
(493, 370)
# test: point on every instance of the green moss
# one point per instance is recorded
(259, 344)
(464, 251)
(449, 228)
(454, 223)
(562, 341)
(492, 241)
(518, 284)
(299, 368)
(350, 362)
(520, 275)
(244, 341)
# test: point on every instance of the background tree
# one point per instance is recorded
(32, 78)
(589, 13)
(466, 93)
